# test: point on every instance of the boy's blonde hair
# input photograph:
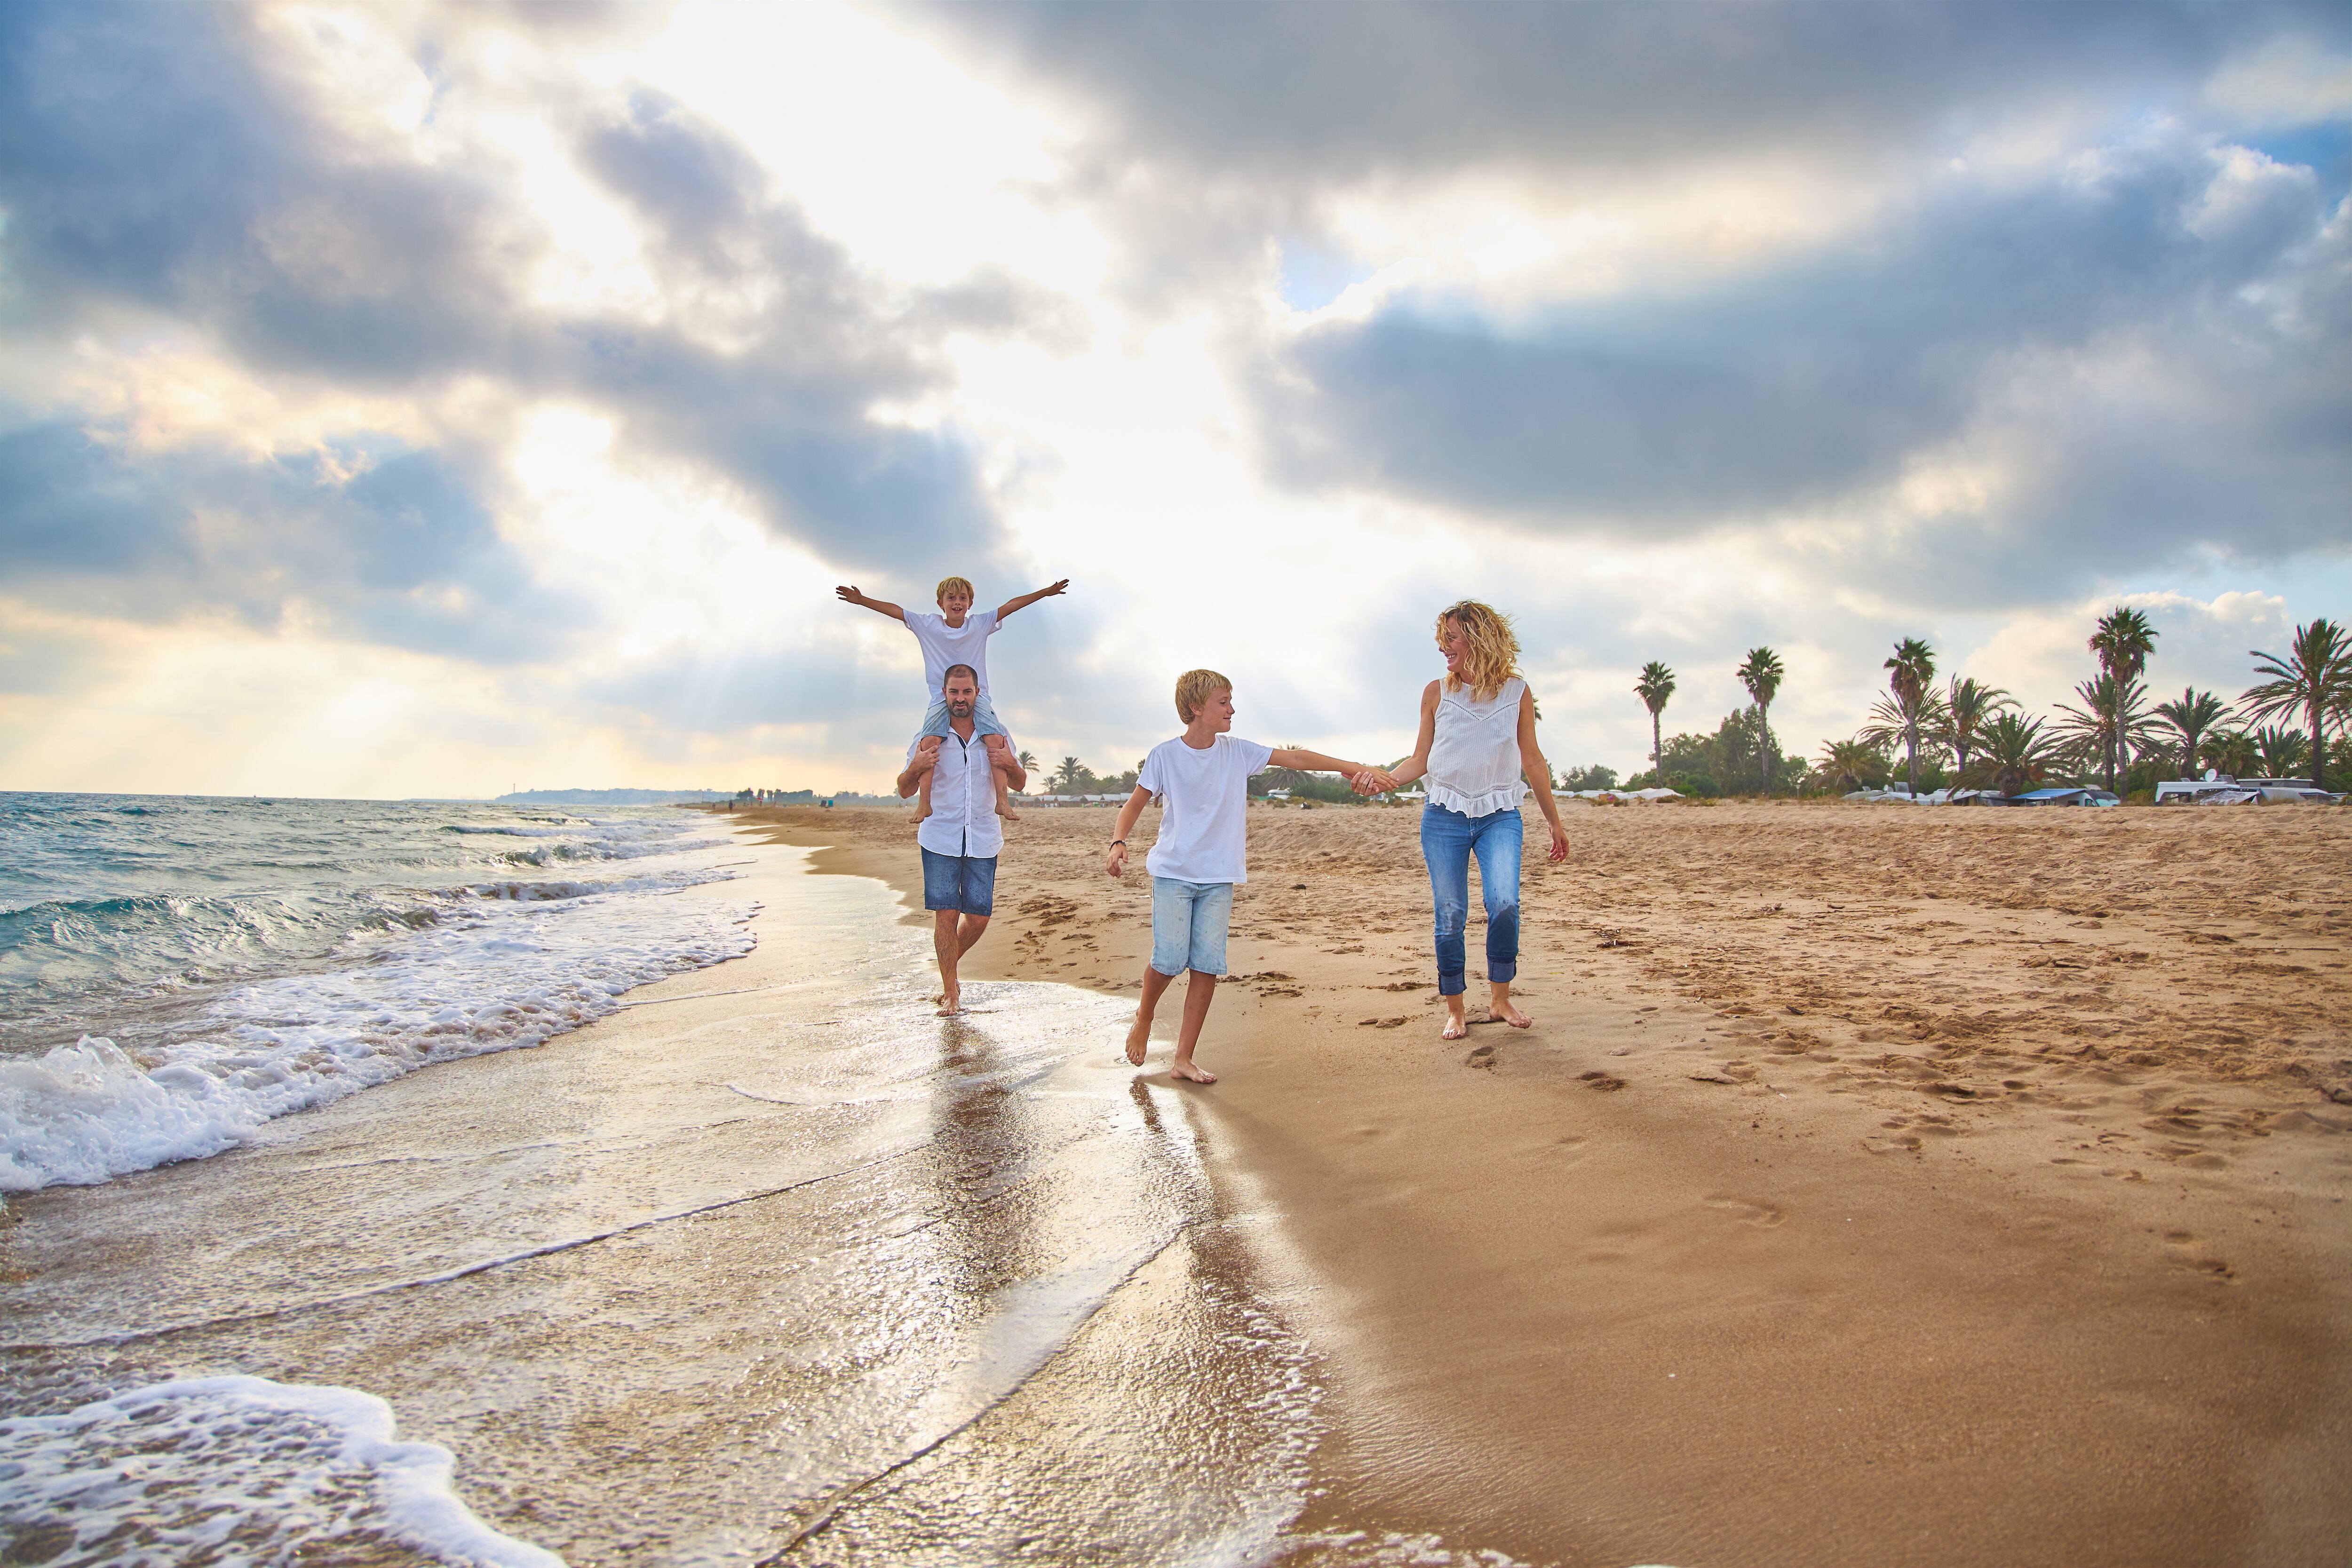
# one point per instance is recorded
(1193, 689)
(1493, 656)
(940, 594)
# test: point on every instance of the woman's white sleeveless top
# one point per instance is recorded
(1474, 760)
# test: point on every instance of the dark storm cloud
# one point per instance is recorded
(150, 156)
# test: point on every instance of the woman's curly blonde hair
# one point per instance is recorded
(1493, 656)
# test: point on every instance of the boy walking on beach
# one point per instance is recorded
(1202, 778)
(955, 636)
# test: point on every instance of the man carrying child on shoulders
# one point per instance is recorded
(961, 837)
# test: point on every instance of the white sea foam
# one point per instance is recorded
(236, 1470)
(494, 973)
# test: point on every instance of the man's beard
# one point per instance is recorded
(959, 709)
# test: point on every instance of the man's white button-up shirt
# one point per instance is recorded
(963, 819)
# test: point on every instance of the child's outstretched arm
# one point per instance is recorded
(847, 592)
(1025, 600)
(1317, 763)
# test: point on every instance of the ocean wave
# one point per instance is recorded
(239, 1470)
(492, 974)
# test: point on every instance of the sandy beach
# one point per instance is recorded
(1875, 1184)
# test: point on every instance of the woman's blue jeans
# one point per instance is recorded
(1448, 839)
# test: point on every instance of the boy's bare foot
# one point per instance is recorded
(1139, 1036)
(1007, 812)
(1456, 1025)
(952, 1003)
(1504, 1013)
(1191, 1072)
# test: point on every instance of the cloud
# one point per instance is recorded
(157, 160)
(2131, 352)
(388, 544)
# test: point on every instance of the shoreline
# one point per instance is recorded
(1793, 1232)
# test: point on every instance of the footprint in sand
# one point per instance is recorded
(1601, 1080)
(1748, 1212)
(2182, 1252)
(1481, 1057)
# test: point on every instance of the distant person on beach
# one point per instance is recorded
(1477, 751)
(956, 636)
(961, 838)
(1202, 778)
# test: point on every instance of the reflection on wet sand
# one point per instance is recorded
(799, 1274)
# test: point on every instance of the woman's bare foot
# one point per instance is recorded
(1501, 1011)
(1139, 1036)
(1456, 1025)
(952, 1003)
(1191, 1072)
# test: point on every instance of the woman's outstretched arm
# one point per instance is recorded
(1538, 772)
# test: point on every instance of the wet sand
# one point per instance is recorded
(1875, 1185)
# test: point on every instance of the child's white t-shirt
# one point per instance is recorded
(944, 644)
(1204, 807)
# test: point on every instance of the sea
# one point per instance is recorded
(332, 1237)
(176, 970)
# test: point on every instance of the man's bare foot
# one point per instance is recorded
(952, 1003)
(1191, 1072)
(1502, 1011)
(1139, 1036)
(1456, 1025)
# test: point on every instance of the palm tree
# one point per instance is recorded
(2283, 750)
(1762, 675)
(1657, 684)
(2192, 715)
(2111, 723)
(1968, 706)
(1913, 665)
(1066, 777)
(2315, 677)
(1846, 764)
(2231, 752)
(1028, 761)
(2014, 752)
(2123, 642)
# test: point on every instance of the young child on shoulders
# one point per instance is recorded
(956, 636)
(1202, 778)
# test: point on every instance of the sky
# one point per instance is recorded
(420, 399)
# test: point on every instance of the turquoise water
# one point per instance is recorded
(175, 970)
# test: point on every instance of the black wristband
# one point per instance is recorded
(1116, 842)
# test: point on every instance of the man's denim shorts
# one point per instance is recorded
(1188, 925)
(962, 882)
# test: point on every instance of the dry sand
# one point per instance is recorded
(1875, 1185)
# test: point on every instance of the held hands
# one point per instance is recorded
(1115, 861)
(1373, 780)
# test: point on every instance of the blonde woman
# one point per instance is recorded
(1477, 751)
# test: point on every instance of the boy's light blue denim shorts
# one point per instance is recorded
(983, 719)
(1188, 925)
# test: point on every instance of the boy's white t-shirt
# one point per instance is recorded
(1204, 807)
(944, 644)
